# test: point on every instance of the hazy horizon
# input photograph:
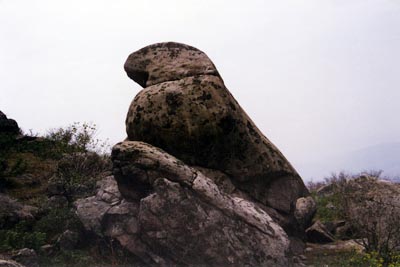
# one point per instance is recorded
(319, 78)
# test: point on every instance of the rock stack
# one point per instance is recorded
(198, 183)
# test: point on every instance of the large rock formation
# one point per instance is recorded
(199, 183)
(182, 219)
(186, 110)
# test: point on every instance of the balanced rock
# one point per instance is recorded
(196, 182)
(186, 110)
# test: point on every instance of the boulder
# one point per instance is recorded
(10, 263)
(68, 240)
(332, 226)
(186, 110)
(12, 212)
(372, 211)
(92, 210)
(165, 62)
(47, 249)
(318, 233)
(170, 214)
(27, 257)
(305, 210)
(8, 126)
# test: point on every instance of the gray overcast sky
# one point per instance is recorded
(318, 77)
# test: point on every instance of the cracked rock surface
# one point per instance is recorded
(183, 219)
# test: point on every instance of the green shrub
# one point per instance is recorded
(57, 221)
(78, 173)
(328, 208)
(371, 210)
(374, 259)
(78, 137)
(76, 258)
(21, 236)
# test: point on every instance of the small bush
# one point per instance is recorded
(57, 221)
(76, 258)
(370, 207)
(21, 236)
(78, 137)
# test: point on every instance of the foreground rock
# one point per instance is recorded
(10, 263)
(27, 257)
(184, 210)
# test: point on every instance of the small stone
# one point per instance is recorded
(10, 263)
(68, 240)
(27, 257)
(47, 249)
(318, 233)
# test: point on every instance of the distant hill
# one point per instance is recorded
(385, 157)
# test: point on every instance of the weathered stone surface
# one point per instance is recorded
(205, 234)
(68, 240)
(27, 257)
(373, 211)
(318, 233)
(167, 62)
(8, 126)
(195, 118)
(182, 218)
(91, 210)
(305, 210)
(10, 263)
(47, 249)
(11, 211)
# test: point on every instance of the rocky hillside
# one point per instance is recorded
(40, 178)
(195, 183)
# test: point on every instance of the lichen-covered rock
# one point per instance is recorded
(163, 62)
(196, 182)
(305, 210)
(186, 110)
